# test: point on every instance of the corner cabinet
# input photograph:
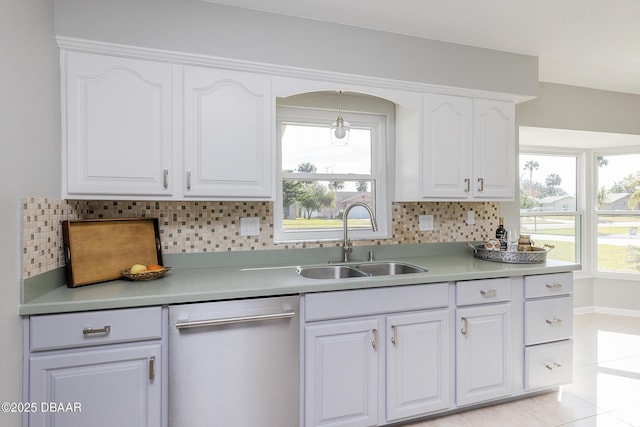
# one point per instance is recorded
(228, 131)
(150, 130)
(117, 126)
(466, 151)
(101, 368)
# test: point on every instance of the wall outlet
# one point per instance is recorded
(425, 222)
(250, 226)
(471, 218)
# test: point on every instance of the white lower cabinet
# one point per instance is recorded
(371, 370)
(96, 369)
(548, 329)
(417, 364)
(483, 353)
(341, 373)
(484, 345)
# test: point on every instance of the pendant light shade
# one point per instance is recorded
(340, 128)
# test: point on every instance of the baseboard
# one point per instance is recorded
(606, 310)
(577, 311)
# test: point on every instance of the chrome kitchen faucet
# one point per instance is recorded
(346, 244)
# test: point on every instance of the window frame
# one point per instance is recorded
(613, 151)
(581, 214)
(377, 123)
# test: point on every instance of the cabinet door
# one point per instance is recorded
(118, 126)
(417, 363)
(483, 353)
(494, 149)
(228, 134)
(446, 149)
(341, 373)
(103, 386)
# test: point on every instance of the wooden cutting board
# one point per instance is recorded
(98, 250)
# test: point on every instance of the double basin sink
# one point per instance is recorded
(364, 269)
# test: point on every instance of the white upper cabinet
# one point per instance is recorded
(228, 131)
(494, 148)
(142, 129)
(446, 149)
(118, 126)
(466, 151)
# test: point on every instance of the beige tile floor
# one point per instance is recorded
(605, 391)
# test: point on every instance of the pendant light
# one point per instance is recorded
(340, 128)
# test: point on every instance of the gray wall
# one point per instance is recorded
(199, 27)
(577, 108)
(29, 159)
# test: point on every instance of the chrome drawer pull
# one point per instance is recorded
(489, 293)
(553, 366)
(554, 286)
(554, 322)
(91, 331)
(184, 324)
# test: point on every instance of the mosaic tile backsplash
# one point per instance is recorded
(193, 227)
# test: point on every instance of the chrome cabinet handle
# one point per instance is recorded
(188, 180)
(152, 368)
(374, 343)
(552, 366)
(465, 326)
(185, 324)
(165, 178)
(467, 185)
(489, 293)
(481, 182)
(554, 322)
(554, 286)
(91, 331)
(394, 338)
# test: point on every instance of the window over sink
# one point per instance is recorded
(318, 179)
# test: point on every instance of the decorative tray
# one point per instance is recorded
(145, 275)
(533, 256)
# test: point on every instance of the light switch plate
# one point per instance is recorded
(425, 222)
(471, 218)
(250, 226)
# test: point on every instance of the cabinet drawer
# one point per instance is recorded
(548, 365)
(83, 329)
(363, 302)
(545, 285)
(483, 291)
(548, 320)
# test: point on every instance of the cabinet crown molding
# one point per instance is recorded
(137, 52)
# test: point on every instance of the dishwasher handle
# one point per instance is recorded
(186, 324)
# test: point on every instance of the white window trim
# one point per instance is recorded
(377, 124)
(595, 212)
(583, 198)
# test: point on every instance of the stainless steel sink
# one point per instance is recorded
(368, 269)
(330, 272)
(389, 268)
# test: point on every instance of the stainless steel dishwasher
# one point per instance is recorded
(234, 363)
